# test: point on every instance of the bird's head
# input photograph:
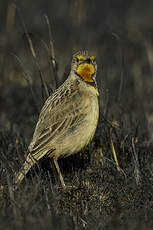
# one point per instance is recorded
(84, 66)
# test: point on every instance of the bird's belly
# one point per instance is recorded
(81, 135)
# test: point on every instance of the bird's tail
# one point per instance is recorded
(30, 161)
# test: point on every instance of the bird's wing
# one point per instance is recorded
(55, 119)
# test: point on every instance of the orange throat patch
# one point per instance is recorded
(86, 71)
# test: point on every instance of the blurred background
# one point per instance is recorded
(119, 33)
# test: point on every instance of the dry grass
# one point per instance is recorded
(100, 196)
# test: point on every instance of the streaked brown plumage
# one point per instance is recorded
(69, 117)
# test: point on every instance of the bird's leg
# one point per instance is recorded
(59, 172)
(54, 170)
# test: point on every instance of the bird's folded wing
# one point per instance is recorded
(44, 138)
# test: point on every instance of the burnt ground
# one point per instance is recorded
(98, 196)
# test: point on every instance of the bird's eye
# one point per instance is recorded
(77, 59)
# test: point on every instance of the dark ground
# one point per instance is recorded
(120, 34)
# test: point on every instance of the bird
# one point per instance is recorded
(68, 119)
